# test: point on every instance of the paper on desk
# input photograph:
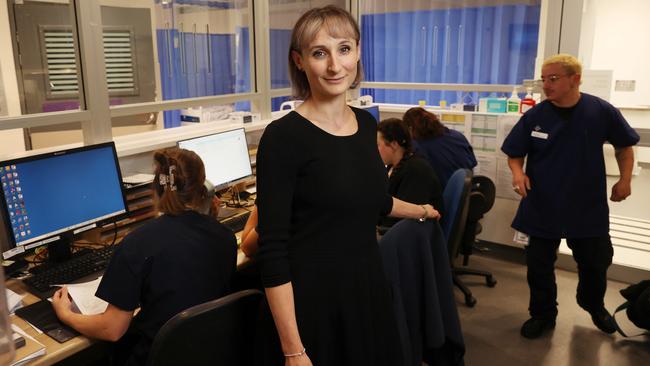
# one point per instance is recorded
(14, 301)
(30, 351)
(138, 178)
(83, 295)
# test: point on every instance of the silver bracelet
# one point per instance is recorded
(424, 217)
(304, 350)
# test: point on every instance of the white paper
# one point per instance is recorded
(26, 359)
(14, 301)
(504, 181)
(486, 166)
(83, 295)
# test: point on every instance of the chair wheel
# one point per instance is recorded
(491, 282)
(470, 301)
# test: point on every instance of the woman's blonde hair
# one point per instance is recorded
(338, 23)
(179, 180)
(569, 63)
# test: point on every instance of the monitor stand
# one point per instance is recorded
(59, 250)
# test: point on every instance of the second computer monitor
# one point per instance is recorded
(225, 156)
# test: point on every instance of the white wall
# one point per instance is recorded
(614, 37)
(11, 141)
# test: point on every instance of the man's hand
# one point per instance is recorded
(61, 303)
(521, 184)
(621, 190)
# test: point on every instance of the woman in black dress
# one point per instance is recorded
(321, 190)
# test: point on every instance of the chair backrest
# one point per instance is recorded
(485, 186)
(455, 197)
(481, 200)
(218, 332)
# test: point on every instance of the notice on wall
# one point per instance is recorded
(486, 165)
(597, 82)
(504, 180)
(484, 133)
(455, 121)
(506, 123)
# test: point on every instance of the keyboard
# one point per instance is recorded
(83, 263)
(236, 223)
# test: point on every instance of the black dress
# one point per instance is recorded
(319, 199)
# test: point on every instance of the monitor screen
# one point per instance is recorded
(225, 156)
(49, 194)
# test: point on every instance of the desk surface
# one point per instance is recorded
(54, 351)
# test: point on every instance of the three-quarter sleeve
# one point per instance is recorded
(276, 179)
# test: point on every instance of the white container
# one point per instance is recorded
(513, 104)
(244, 117)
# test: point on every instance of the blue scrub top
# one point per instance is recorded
(566, 167)
(447, 153)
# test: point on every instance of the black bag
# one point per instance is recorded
(637, 305)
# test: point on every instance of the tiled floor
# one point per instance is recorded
(491, 328)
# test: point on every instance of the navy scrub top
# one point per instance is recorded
(566, 166)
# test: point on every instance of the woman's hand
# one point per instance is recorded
(61, 302)
(432, 213)
(297, 361)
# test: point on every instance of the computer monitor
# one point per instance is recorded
(47, 198)
(225, 156)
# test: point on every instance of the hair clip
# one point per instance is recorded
(162, 179)
(172, 185)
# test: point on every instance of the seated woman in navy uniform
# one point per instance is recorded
(180, 259)
(446, 150)
(410, 177)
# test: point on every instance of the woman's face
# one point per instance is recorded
(330, 64)
(386, 150)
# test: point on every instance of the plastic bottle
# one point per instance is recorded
(528, 102)
(513, 103)
(6, 334)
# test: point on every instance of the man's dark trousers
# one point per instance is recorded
(593, 256)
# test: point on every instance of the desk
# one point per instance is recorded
(55, 351)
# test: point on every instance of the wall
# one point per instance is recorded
(614, 38)
(10, 140)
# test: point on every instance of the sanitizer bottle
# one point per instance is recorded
(528, 102)
(513, 103)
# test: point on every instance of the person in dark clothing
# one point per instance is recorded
(564, 191)
(321, 187)
(446, 150)
(180, 259)
(410, 177)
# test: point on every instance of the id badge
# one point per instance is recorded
(539, 135)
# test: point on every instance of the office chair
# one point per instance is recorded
(218, 332)
(456, 199)
(481, 200)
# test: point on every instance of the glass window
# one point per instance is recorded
(41, 74)
(283, 15)
(444, 42)
(164, 50)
